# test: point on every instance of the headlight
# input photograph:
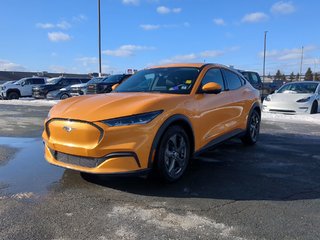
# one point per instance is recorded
(134, 119)
(268, 98)
(303, 100)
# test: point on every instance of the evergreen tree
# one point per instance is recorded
(316, 76)
(291, 77)
(283, 77)
(278, 75)
(309, 75)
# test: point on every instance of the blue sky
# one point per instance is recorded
(61, 35)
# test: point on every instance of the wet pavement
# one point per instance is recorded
(269, 191)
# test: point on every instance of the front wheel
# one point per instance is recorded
(173, 154)
(64, 96)
(253, 129)
(314, 108)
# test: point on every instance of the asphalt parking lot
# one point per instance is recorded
(269, 191)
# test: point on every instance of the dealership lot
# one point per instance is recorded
(269, 191)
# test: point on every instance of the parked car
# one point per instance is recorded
(105, 85)
(253, 78)
(20, 88)
(59, 94)
(155, 120)
(54, 84)
(295, 97)
(81, 89)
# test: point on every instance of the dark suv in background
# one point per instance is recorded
(105, 85)
(55, 84)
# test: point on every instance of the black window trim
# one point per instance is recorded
(199, 90)
(239, 76)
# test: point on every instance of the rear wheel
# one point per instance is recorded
(13, 95)
(173, 154)
(64, 96)
(314, 108)
(253, 129)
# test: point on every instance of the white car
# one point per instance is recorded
(21, 88)
(294, 97)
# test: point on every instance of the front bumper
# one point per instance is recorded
(97, 148)
(292, 108)
(3, 94)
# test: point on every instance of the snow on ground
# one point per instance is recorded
(301, 118)
(274, 117)
(30, 102)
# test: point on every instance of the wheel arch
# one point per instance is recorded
(16, 90)
(179, 120)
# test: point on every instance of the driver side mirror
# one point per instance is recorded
(115, 86)
(211, 87)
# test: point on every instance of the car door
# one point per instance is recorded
(215, 111)
(240, 95)
(26, 88)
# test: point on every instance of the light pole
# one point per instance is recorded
(99, 27)
(301, 63)
(264, 56)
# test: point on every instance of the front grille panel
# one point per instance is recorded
(88, 162)
(281, 110)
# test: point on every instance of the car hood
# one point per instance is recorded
(289, 97)
(80, 85)
(114, 105)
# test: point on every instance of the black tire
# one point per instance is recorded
(64, 96)
(13, 95)
(314, 108)
(172, 154)
(253, 129)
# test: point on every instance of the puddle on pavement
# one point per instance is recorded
(27, 171)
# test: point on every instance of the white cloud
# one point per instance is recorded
(283, 7)
(45, 25)
(166, 10)
(126, 50)
(80, 18)
(131, 2)
(211, 53)
(149, 27)
(58, 36)
(255, 17)
(288, 54)
(198, 56)
(58, 69)
(6, 65)
(180, 58)
(219, 22)
(62, 25)
(176, 10)
(86, 61)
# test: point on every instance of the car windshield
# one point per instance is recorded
(95, 80)
(113, 78)
(53, 81)
(20, 81)
(176, 80)
(298, 88)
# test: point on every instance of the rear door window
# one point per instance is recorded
(213, 75)
(233, 80)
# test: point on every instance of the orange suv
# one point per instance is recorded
(155, 120)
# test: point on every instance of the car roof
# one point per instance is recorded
(296, 82)
(195, 65)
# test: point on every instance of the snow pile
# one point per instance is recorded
(303, 118)
(29, 102)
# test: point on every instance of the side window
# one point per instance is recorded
(213, 75)
(37, 81)
(74, 81)
(27, 81)
(255, 78)
(233, 80)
